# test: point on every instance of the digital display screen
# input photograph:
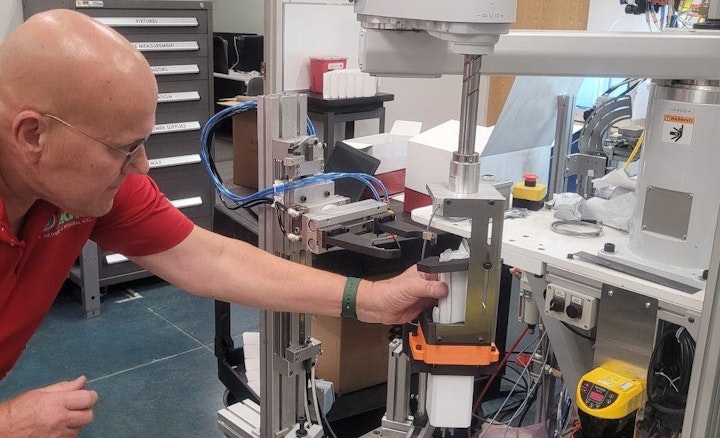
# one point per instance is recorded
(596, 397)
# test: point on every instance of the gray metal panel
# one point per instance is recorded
(667, 212)
(625, 331)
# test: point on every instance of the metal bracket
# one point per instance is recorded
(293, 364)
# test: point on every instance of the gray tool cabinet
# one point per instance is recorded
(176, 38)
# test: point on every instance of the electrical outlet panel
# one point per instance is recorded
(574, 308)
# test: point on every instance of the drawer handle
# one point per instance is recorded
(112, 259)
(187, 202)
(180, 96)
(185, 69)
(167, 128)
(148, 21)
(174, 161)
(166, 46)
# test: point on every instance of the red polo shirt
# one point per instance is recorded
(34, 265)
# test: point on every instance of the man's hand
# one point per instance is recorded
(55, 411)
(399, 299)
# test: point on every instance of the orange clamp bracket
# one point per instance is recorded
(472, 355)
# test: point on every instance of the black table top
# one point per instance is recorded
(316, 102)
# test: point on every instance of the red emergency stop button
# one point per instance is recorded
(530, 179)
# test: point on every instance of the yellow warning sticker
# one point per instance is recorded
(679, 119)
(677, 129)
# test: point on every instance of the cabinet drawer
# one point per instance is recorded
(179, 69)
(130, 21)
(183, 96)
(171, 45)
(177, 126)
(158, 151)
(188, 188)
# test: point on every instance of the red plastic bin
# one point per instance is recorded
(318, 66)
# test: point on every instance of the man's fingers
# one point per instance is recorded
(79, 400)
(71, 385)
(78, 419)
(436, 289)
(427, 276)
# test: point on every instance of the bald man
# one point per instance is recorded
(77, 102)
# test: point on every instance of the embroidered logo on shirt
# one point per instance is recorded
(57, 224)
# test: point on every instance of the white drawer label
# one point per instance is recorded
(160, 70)
(166, 46)
(148, 21)
(187, 202)
(174, 161)
(112, 259)
(181, 96)
(89, 4)
(176, 127)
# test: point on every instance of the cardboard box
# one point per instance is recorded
(355, 354)
(391, 149)
(245, 149)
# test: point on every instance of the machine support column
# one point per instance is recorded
(465, 165)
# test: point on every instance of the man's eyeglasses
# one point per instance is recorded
(128, 153)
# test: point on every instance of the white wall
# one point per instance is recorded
(331, 28)
(244, 16)
(10, 16)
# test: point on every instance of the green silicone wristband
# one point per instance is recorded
(349, 297)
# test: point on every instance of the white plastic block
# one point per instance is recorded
(449, 400)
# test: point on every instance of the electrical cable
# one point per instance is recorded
(519, 373)
(307, 409)
(672, 360)
(577, 332)
(531, 392)
(207, 135)
(526, 409)
(525, 368)
(427, 229)
(499, 367)
(526, 347)
(635, 150)
(237, 54)
(510, 407)
(564, 227)
(320, 415)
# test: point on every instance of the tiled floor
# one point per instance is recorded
(150, 359)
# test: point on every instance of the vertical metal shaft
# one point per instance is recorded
(563, 139)
(422, 394)
(469, 104)
(465, 165)
(714, 10)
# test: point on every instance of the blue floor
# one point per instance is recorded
(150, 359)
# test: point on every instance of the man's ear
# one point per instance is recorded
(29, 129)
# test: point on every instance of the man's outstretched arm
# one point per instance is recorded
(211, 265)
